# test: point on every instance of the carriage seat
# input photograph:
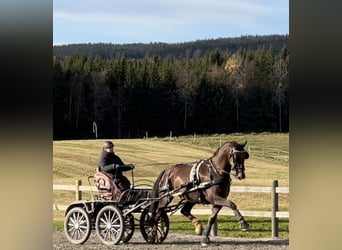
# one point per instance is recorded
(106, 186)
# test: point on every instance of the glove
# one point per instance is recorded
(131, 165)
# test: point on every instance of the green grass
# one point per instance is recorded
(227, 226)
(77, 159)
(58, 225)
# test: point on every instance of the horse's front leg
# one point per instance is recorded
(244, 226)
(186, 211)
(211, 220)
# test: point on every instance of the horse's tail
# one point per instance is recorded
(155, 192)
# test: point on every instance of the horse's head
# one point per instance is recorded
(236, 159)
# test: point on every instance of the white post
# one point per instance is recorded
(77, 190)
(95, 129)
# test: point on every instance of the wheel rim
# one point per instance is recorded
(77, 225)
(146, 226)
(129, 228)
(109, 225)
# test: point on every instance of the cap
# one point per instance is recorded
(108, 144)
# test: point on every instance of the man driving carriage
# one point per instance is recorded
(111, 163)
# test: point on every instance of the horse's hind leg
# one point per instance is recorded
(195, 221)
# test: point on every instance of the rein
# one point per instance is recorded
(218, 171)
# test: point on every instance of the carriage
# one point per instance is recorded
(114, 217)
(109, 214)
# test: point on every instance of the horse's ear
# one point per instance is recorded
(244, 144)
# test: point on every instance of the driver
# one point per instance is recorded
(111, 163)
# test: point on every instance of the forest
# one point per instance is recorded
(194, 49)
(183, 88)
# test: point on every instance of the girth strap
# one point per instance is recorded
(194, 177)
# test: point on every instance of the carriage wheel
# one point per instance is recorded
(77, 226)
(146, 226)
(109, 225)
(129, 228)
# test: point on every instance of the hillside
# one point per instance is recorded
(77, 159)
(193, 49)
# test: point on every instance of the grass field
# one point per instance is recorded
(76, 160)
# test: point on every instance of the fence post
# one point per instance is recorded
(77, 190)
(213, 231)
(275, 208)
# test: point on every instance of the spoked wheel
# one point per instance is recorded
(147, 223)
(109, 225)
(77, 226)
(129, 228)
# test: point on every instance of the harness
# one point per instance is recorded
(198, 186)
(194, 177)
(194, 184)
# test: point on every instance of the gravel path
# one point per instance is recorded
(174, 241)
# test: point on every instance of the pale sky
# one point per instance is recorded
(170, 21)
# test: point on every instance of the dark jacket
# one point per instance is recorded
(111, 163)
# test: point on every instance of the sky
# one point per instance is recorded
(169, 21)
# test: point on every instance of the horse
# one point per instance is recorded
(203, 182)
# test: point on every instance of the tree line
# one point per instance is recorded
(192, 49)
(220, 92)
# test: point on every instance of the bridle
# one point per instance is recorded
(235, 166)
(238, 167)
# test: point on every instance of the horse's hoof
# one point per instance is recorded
(204, 244)
(205, 241)
(151, 239)
(244, 226)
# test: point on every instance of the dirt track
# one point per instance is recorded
(174, 241)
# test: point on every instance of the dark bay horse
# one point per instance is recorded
(204, 182)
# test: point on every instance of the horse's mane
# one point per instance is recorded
(224, 145)
(232, 144)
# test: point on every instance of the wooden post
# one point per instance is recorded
(275, 208)
(213, 231)
(78, 192)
